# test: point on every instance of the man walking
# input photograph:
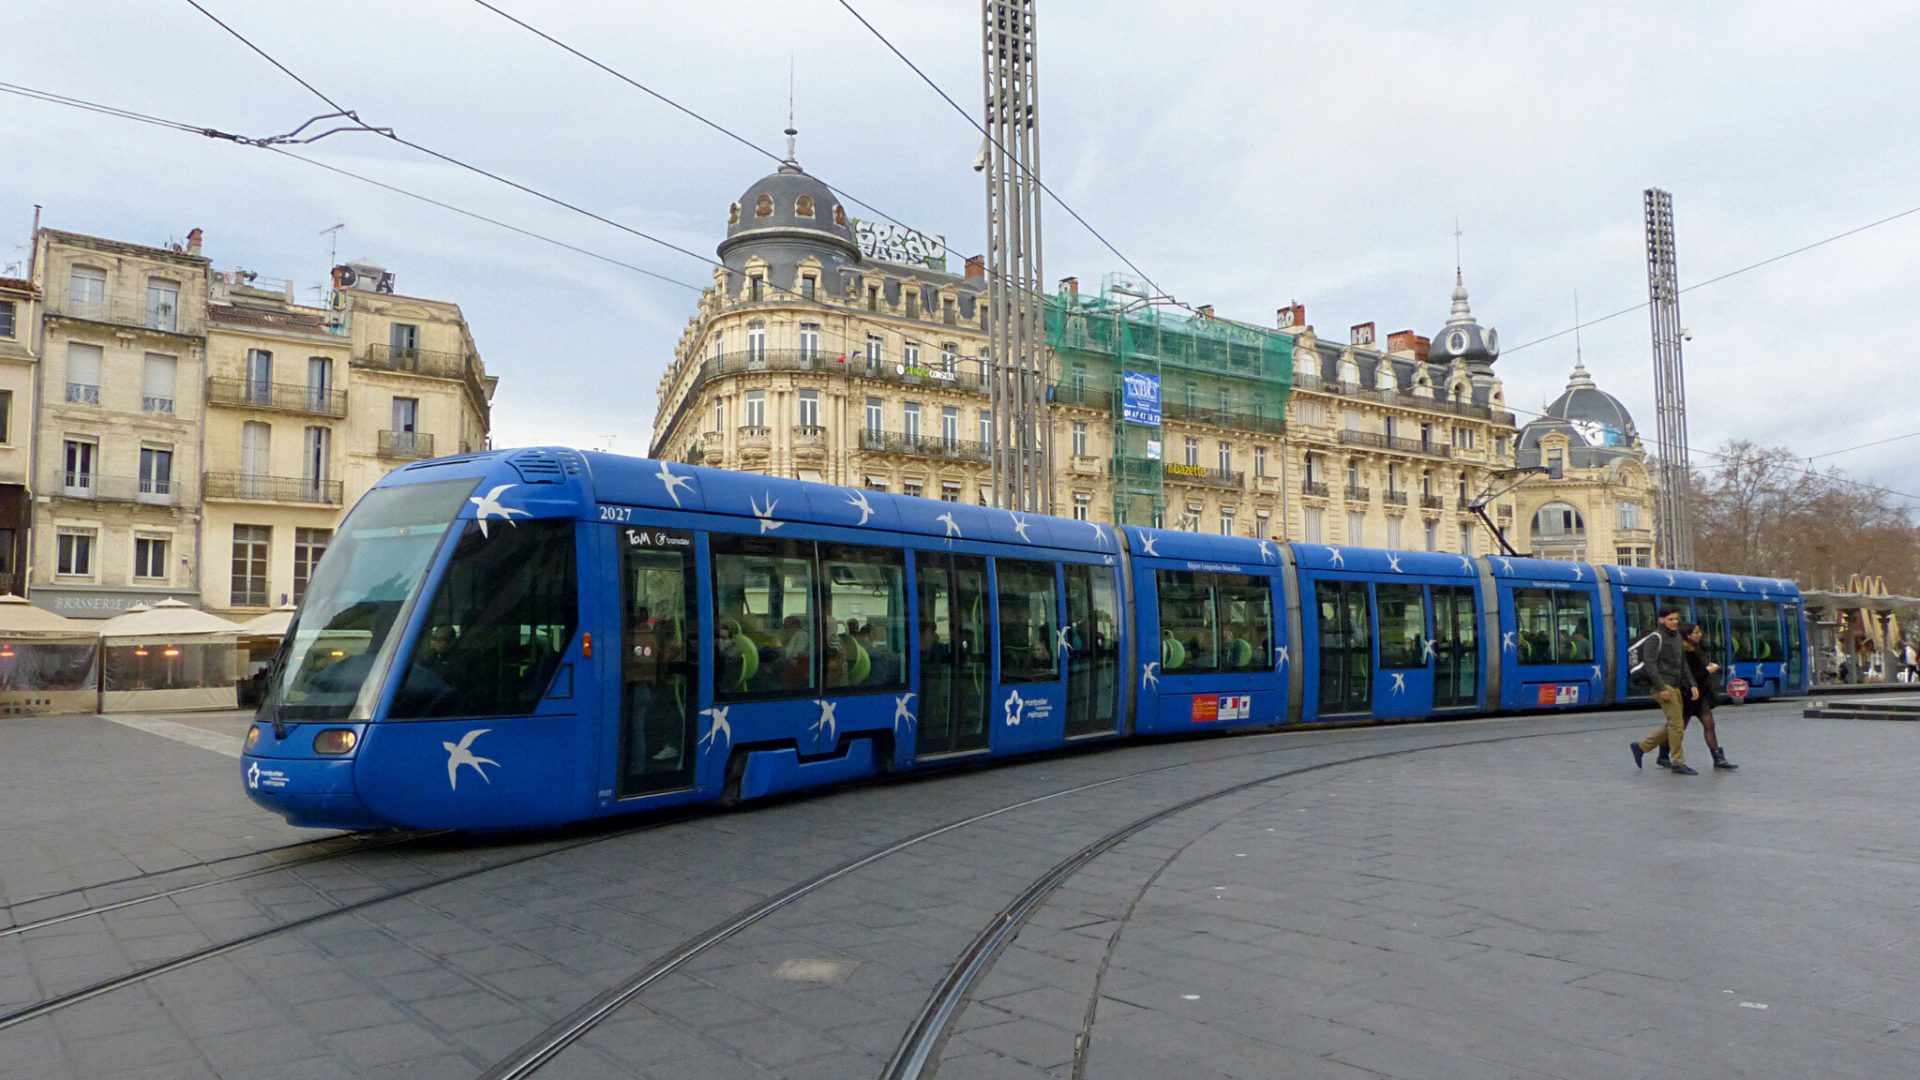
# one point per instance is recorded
(1661, 661)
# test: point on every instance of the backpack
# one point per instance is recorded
(1637, 673)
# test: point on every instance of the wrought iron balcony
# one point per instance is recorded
(125, 311)
(1313, 487)
(259, 488)
(134, 489)
(1395, 498)
(285, 397)
(931, 446)
(1358, 493)
(405, 444)
(1432, 502)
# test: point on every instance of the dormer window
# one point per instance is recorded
(803, 206)
(763, 206)
(839, 215)
(807, 286)
(733, 214)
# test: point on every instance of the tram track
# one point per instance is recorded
(918, 1048)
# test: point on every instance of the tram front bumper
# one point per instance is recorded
(309, 790)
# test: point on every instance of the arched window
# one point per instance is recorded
(839, 215)
(1558, 521)
(733, 214)
(803, 206)
(763, 206)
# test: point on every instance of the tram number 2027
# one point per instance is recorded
(616, 513)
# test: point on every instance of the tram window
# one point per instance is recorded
(1555, 626)
(1403, 625)
(763, 618)
(866, 617)
(1641, 616)
(495, 631)
(1027, 601)
(1713, 626)
(1245, 620)
(1188, 634)
(1766, 632)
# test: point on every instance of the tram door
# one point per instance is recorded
(1792, 615)
(659, 671)
(1456, 648)
(1346, 647)
(1093, 654)
(954, 647)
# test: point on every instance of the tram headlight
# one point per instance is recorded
(253, 736)
(334, 741)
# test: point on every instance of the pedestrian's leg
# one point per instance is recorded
(1713, 743)
(1676, 729)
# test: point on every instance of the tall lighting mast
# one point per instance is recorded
(1669, 382)
(1023, 438)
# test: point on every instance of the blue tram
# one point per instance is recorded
(523, 638)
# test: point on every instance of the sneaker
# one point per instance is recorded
(1637, 753)
(1685, 770)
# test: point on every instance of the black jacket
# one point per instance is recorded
(1660, 659)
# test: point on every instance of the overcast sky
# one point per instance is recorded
(1242, 155)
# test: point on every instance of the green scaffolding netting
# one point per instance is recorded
(1208, 371)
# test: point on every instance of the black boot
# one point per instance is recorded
(1720, 759)
(1664, 760)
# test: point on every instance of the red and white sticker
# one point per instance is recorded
(1560, 695)
(1208, 708)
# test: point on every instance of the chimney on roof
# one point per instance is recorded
(193, 241)
(1070, 285)
(1294, 314)
(976, 268)
(1408, 343)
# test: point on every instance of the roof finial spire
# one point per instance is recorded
(1579, 376)
(791, 158)
(1457, 279)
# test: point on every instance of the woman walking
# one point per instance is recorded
(1702, 705)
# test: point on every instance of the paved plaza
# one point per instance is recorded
(1497, 898)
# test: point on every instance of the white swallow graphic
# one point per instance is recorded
(1100, 534)
(716, 729)
(461, 753)
(1579, 572)
(858, 500)
(1506, 565)
(1670, 580)
(826, 725)
(1622, 571)
(1020, 526)
(1703, 583)
(673, 482)
(953, 527)
(1506, 641)
(765, 513)
(1740, 584)
(902, 714)
(1150, 675)
(1466, 564)
(1266, 552)
(489, 507)
(1763, 594)
(1393, 563)
(1283, 658)
(1596, 673)
(1426, 650)
(1016, 708)
(1334, 558)
(1146, 545)
(1060, 638)
(1399, 682)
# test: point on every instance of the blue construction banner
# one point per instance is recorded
(1140, 398)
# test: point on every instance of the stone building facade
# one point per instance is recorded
(179, 432)
(807, 360)
(1595, 500)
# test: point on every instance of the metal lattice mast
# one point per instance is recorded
(1022, 465)
(1669, 381)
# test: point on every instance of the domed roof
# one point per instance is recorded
(788, 204)
(1463, 338)
(1598, 428)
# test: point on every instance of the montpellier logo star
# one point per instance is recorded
(489, 507)
(673, 482)
(1020, 526)
(253, 776)
(1150, 675)
(953, 527)
(461, 753)
(902, 715)
(858, 500)
(717, 729)
(765, 513)
(826, 726)
(1016, 708)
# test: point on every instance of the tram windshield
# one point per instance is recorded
(344, 632)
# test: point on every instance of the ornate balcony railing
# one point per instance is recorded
(405, 444)
(1432, 502)
(1357, 493)
(254, 486)
(931, 446)
(1313, 487)
(1395, 498)
(285, 397)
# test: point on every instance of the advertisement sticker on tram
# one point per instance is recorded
(1560, 695)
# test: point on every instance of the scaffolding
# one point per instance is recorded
(1183, 369)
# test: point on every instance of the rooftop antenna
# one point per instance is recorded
(791, 132)
(332, 234)
(1456, 247)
